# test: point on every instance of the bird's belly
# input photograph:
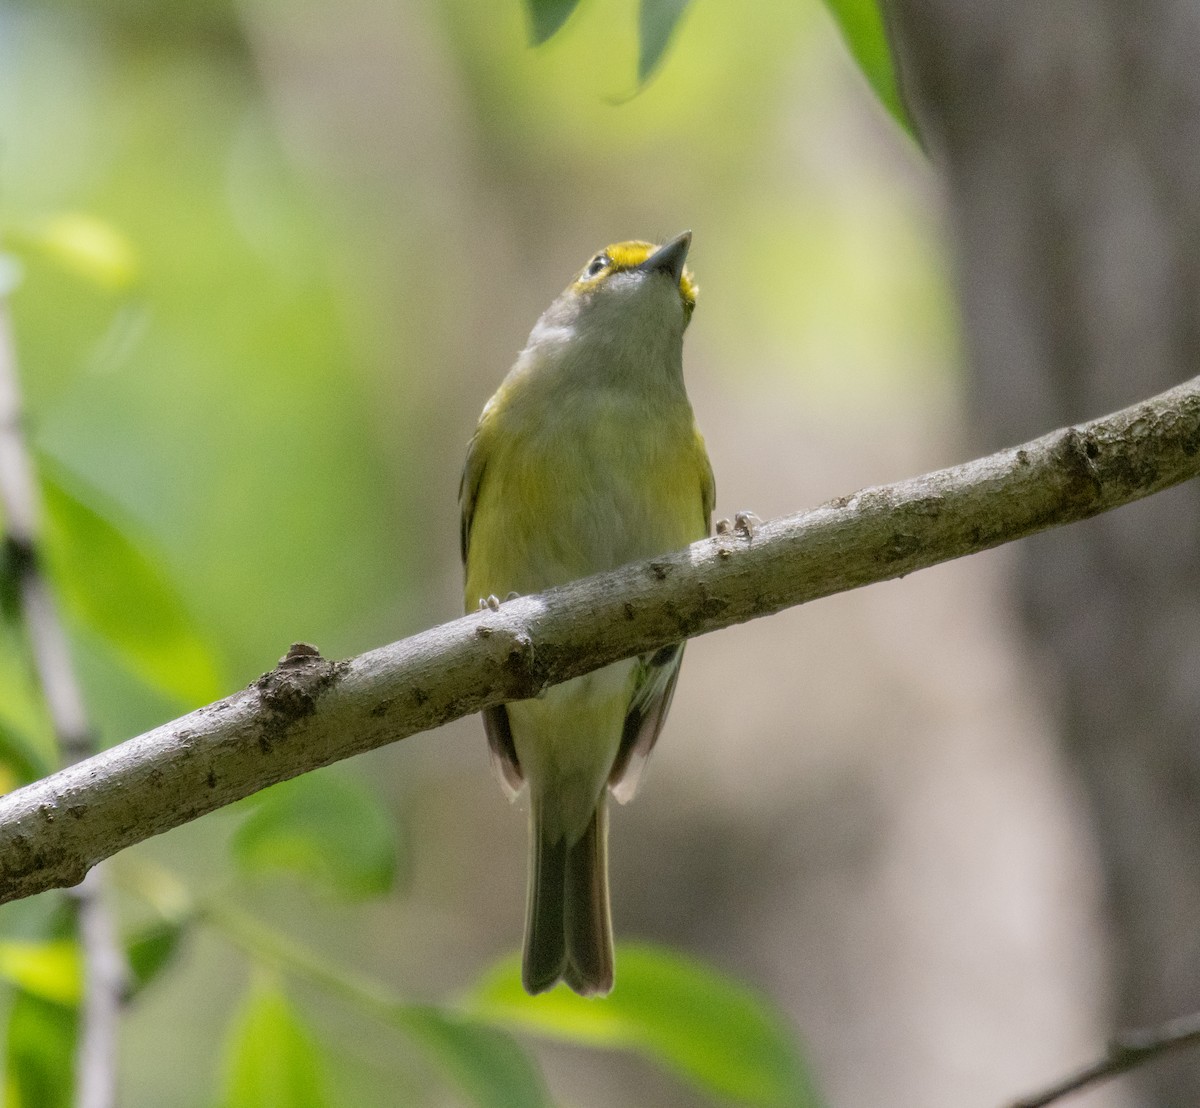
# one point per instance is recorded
(566, 741)
(552, 513)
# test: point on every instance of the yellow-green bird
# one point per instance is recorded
(586, 458)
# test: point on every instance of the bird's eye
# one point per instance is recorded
(597, 265)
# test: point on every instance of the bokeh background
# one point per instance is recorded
(320, 233)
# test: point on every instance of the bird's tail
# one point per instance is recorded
(568, 929)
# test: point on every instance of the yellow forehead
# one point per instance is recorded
(631, 254)
(626, 255)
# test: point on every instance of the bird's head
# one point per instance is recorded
(620, 319)
(630, 293)
(626, 270)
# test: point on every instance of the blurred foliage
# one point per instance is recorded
(547, 16)
(860, 21)
(656, 24)
(150, 949)
(712, 1031)
(39, 1054)
(486, 1063)
(271, 261)
(861, 24)
(21, 758)
(83, 245)
(272, 1059)
(117, 591)
(716, 1034)
(49, 969)
(324, 827)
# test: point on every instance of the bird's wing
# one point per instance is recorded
(503, 750)
(495, 720)
(653, 689)
(468, 489)
(708, 486)
(655, 682)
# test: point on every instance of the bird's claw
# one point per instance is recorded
(746, 523)
(491, 602)
(723, 526)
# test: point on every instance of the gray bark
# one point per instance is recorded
(1069, 136)
(309, 712)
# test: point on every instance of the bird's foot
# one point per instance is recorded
(492, 604)
(746, 522)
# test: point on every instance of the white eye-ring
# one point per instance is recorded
(597, 265)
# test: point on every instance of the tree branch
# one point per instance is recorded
(104, 964)
(1125, 1052)
(309, 712)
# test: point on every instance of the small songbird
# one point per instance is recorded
(586, 458)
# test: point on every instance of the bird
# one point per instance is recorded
(586, 458)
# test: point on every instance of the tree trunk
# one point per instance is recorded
(1068, 133)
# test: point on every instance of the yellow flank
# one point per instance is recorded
(582, 496)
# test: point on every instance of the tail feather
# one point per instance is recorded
(588, 922)
(568, 930)
(545, 936)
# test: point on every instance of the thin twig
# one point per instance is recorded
(106, 977)
(1125, 1052)
(104, 966)
(420, 1021)
(19, 502)
(271, 946)
(309, 712)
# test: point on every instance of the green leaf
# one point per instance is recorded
(49, 969)
(112, 587)
(861, 24)
(43, 1019)
(40, 1053)
(84, 245)
(270, 1057)
(21, 758)
(657, 21)
(151, 949)
(487, 1064)
(547, 16)
(325, 827)
(28, 749)
(712, 1031)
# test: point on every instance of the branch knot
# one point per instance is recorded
(291, 690)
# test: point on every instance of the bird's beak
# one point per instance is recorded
(669, 257)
